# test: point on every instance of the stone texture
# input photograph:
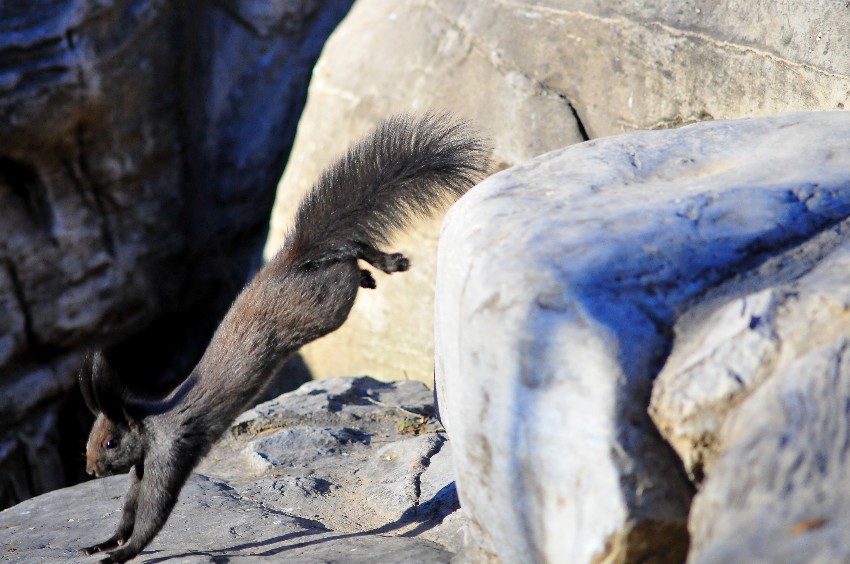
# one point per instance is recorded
(211, 523)
(754, 399)
(355, 453)
(560, 284)
(32, 459)
(363, 478)
(140, 144)
(777, 492)
(539, 75)
(741, 335)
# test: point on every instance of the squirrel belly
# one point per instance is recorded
(407, 168)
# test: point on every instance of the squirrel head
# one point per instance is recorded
(116, 441)
(113, 447)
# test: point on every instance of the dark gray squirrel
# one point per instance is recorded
(408, 167)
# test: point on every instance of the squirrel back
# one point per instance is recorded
(407, 167)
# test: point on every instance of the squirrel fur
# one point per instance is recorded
(407, 167)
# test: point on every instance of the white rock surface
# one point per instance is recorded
(755, 396)
(559, 284)
(744, 332)
(778, 491)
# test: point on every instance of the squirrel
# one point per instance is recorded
(405, 168)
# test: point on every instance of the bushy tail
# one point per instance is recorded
(408, 167)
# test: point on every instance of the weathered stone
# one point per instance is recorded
(777, 492)
(710, 369)
(31, 461)
(210, 522)
(536, 76)
(560, 282)
(140, 145)
(363, 455)
(314, 492)
(754, 395)
(340, 402)
(741, 334)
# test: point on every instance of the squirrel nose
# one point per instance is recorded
(89, 470)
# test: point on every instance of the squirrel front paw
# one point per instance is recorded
(119, 556)
(109, 544)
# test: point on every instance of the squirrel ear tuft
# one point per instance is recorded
(106, 388)
(84, 377)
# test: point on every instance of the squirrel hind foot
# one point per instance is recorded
(385, 262)
(393, 262)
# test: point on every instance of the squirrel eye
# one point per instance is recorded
(111, 443)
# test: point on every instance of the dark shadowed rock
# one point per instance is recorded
(140, 144)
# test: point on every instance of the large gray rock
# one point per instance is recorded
(539, 75)
(140, 145)
(210, 523)
(358, 453)
(560, 284)
(347, 470)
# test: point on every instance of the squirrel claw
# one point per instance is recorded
(391, 262)
(89, 550)
(117, 557)
(111, 544)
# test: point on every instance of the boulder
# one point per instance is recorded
(777, 492)
(753, 397)
(561, 284)
(140, 145)
(361, 454)
(536, 76)
(365, 477)
(742, 335)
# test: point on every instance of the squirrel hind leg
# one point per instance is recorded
(385, 262)
(366, 280)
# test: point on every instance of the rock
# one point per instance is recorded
(211, 522)
(32, 456)
(380, 490)
(753, 397)
(538, 76)
(560, 284)
(360, 454)
(140, 144)
(30, 463)
(648, 64)
(743, 334)
(320, 402)
(777, 492)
